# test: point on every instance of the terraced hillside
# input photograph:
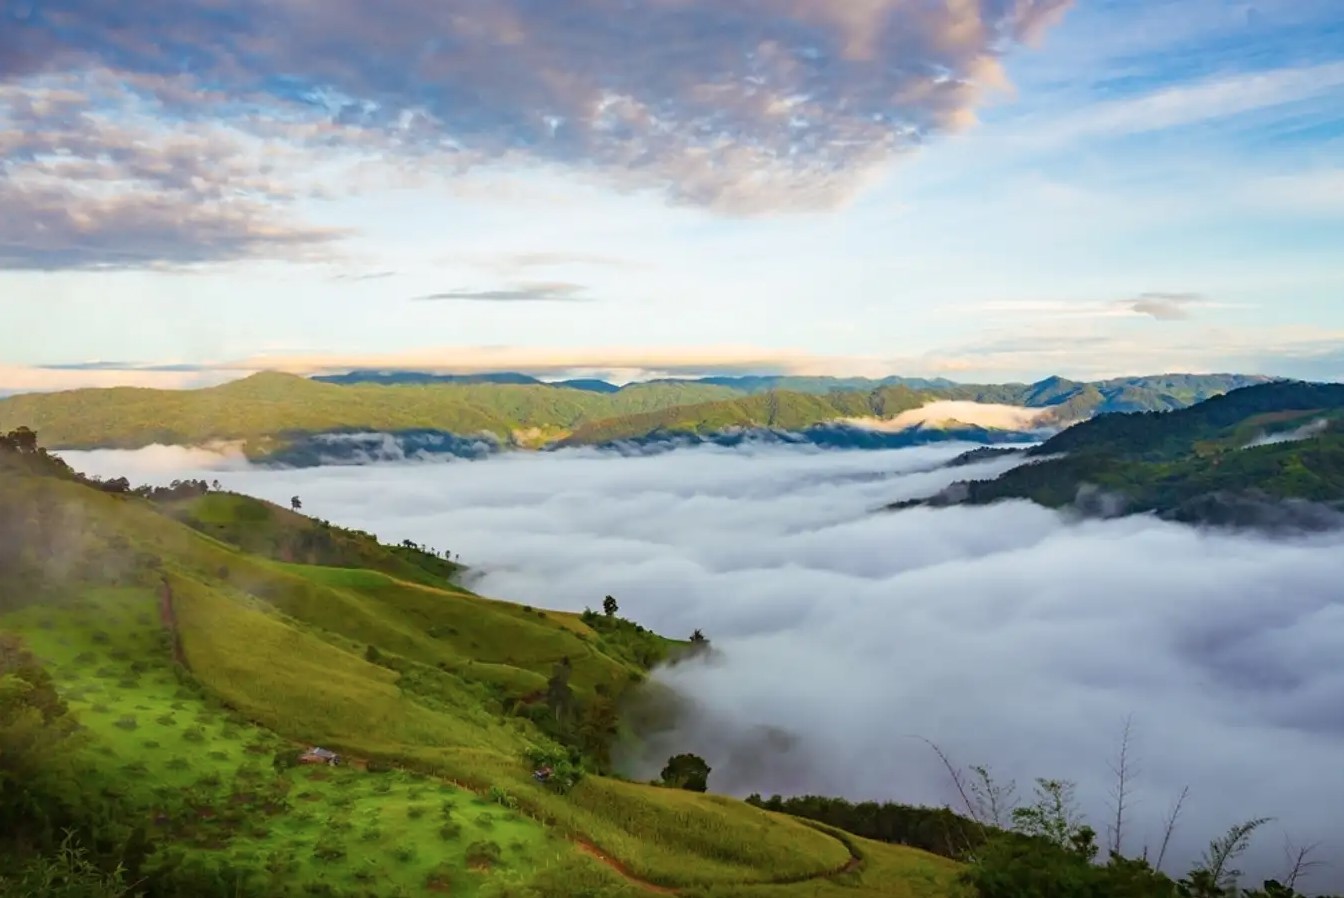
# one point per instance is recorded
(196, 654)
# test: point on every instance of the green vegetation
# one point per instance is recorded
(167, 656)
(264, 410)
(271, 414)
(1215, 462)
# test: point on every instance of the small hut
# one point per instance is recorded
(317, 755)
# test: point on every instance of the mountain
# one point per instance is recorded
(1270, 455)
(394, 378)
(168, 657)
(272, 414)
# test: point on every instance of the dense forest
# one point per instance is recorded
(1270, 455)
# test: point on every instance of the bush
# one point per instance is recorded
(127, 722)
(500, 797)
(450, 831)
(483, 854)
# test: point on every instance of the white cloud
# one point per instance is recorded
(1008, 634)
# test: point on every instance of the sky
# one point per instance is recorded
(976, 189)
(1010, 635)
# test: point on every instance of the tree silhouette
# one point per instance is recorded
(609, 606)
(295, 503)
(688, 772)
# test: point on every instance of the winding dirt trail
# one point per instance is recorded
(588, 848)
(596, 854)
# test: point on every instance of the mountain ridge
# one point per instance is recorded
(269, 411)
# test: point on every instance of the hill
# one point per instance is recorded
(1269, 455)
(302, 421)
(178, 649)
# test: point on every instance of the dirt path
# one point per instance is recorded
(596, 854)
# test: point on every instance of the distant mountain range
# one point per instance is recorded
(280, 416)
(1270, 455)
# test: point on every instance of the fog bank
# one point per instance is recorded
(1010, 635)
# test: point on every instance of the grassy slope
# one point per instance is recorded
(266, 410)
(1161, 462)
(282, 645)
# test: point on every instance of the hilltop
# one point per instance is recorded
(1268, 455)
(299, 421)
(180, 647)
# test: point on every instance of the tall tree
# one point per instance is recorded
(609, 606)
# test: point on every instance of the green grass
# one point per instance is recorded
(277, 659)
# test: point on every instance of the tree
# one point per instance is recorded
(295, 503)
(688, 772)
(698, 638)
(37, 737)
(597, 729)
(609, 606)
(559, 697)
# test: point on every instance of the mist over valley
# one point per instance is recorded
(1010, 635)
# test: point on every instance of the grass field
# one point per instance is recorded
(415, 675)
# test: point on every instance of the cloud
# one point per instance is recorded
(1218, 97)
(743, 108)
(981, 414)
(365, 276)
(1165, 306)
(92, 178)
(25, 379)
(1009, 635)
(538, 292)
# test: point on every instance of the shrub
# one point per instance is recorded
(500, 797)
(126, 723)
(415, 812)
(194, 734)
(450, 831)
(483, 854)
(404, 853)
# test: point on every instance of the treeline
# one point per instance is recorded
(1158, 436)
(935, 830)
(1043, 848)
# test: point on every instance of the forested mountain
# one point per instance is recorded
(269, 413)
(1266, 455)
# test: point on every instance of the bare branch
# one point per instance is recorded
(995, 802)
(958, 779)
(1299, 861)
(1124, 775)
(1170, 827)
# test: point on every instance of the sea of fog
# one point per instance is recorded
(1011, 636)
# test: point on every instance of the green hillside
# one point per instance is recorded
(1218, 461)
(787, 411)
(166, 656)
(263, 409)
(269, 412)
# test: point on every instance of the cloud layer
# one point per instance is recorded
(1009, 635)
(744, 108)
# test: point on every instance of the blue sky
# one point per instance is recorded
(977, 189)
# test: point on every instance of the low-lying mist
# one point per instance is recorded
(1009, 635)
